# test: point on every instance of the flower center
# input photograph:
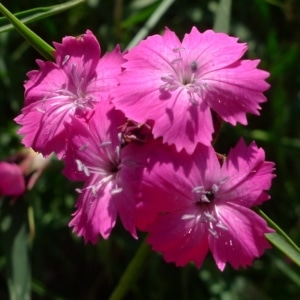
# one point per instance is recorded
(184, 75)
(203, 197)
(106, 170)
(73, 93)
(206, 211)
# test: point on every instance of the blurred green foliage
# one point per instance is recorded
(63, 267)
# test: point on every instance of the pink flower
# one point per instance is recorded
(71, 86)
(12, 181)
(110, 170)
(191, 204)
(176, 84)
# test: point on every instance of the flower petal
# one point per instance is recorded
(82, 51)
(177, 240)
(214, 50)
(243, 240)
(249, 175)
(94, 215)
(236, 90)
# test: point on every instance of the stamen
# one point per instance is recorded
(198, 189)
(86, 171)
(118, 152)
(65, 60)
(210, 217)
(116, 191)
(79, 165)
(41, 110)
(204, 198)
(176, 60)
(105, 144)
(168, 78)
(214, 188)
(222, 226)
(187, 217)
(94, 190)
(194, 66)
(168, 87)
(83, 147)
(82, 168)
(213, 233)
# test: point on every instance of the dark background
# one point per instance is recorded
(63, 267)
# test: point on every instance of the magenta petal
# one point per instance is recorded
(243, 240)
(94, 215)
(236, 90)
(109, 66)
(249, 175)
(125, 203)
(177, 241)
(44, 132)
(82, 51)
(214, 50)
(184, 130)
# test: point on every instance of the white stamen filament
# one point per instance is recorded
(79, 165)
(83, 147)
(116, 191)
(105, 144)
(65, 60)
(222, 226)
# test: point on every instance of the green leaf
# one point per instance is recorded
(286, 269)
(33, 39)
(281, 240)
(151, 22)
(222, 18)
(39, 13)
(16, 248)
(33, 15)
(138, 17)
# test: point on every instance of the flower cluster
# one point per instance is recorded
(137, 128)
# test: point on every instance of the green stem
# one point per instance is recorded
(132, 272)
(33, 39)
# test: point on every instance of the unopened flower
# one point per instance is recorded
(176, 84)
(190, 204)
(71, 86)
(110, 171)
(12, 182)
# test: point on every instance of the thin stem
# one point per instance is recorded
(152, 21)
(132, 272)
